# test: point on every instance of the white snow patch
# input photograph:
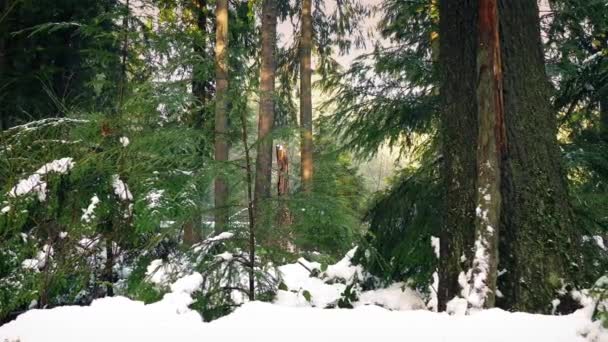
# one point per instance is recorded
(124, 141)
(435, 244)
(88, 214)
(344, 268)
(396, 297)
(153, 198)
(35, 183)
(121, 189)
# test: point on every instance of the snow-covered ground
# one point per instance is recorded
(397, 313)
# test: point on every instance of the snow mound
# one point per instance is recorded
(119, 319)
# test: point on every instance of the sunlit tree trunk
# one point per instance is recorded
(490, 152)
(266, 112)
(221, 112)
(306, 164)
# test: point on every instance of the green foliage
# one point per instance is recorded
(402, 221)
(328, 219)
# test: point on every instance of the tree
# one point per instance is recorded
(263, 164)
(535, 202)
(221, 111)
(458, 134)
(535, 194)
(490, 153)
(306, 164)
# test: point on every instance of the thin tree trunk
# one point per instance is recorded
(125, 54)
(109, 265)
(604, 117)
(538, 243)
(490, 151)
(306, 164)
(250, 211)
(3, 64)
(457, 54)
(201, 90)
(266, 114)
(284, 217)
(201, 85)
(221, 112)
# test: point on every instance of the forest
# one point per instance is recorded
(189, 170)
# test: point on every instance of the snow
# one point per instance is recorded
(396, 297)
(5, 209)
(435, 244)
(297, 279)
(153, 198)
(89, 213)
(121, 189)
(220, 237)
(39, 261)
(396, 313)
(35, 183)
(344, 269)
(124, 141)
(119, 319)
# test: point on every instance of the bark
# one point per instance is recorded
(3, 65)
(124, 56)
(109, 265)
(221, 112)
(192, 234)
(202, 88)
(490, 152)
(537, 246)
(306, 164)
(284, 218)
(459, 132)
(250, 211)
(266, 114)
(604, 117)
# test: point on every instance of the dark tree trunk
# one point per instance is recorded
(108, 269)
(202, 88)
(459, 133)
(604, 117)
(263, 165)
(537, 246)
(221, 112)
(306, 164)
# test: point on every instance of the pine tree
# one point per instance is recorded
(263, 165)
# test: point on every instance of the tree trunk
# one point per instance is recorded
(306, 164)
(201, 89)
(490, 152)
(266, 115)
(604, 117)
(108, 268)
(537, 245)
(221, 112)
(284, 217)
(457, 41)
(201, 85)
(250, 211)
(3, 64)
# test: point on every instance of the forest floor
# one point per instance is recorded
(395, 313)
